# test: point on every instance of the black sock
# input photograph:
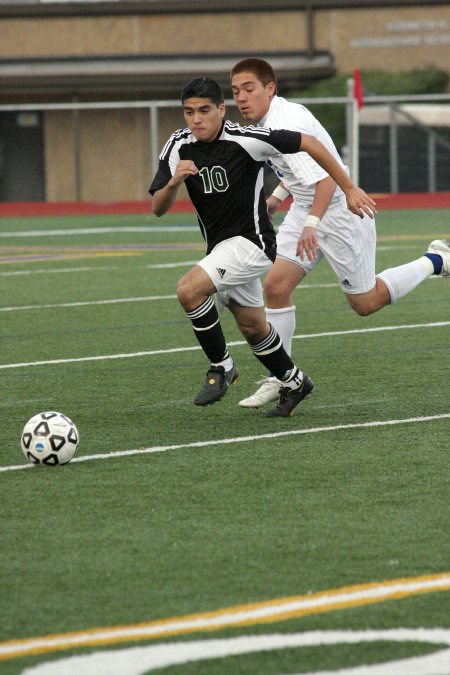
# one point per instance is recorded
(273, 356)
(207, 328)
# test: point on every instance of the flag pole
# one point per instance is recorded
(355, 143)
(358, 100)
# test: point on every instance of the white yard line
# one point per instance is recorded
(112, 301)
(136, 660)
(68, 270)
(88, 303)
(237, 343)
(147, 298)
(148, 658)
(241, 615)
(238, 439)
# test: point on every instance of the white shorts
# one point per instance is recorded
(345, 240)
(235, 267)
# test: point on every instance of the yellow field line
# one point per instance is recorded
(269, 611)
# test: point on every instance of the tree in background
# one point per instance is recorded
(429, 80)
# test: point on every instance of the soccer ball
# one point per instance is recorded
(49, 438)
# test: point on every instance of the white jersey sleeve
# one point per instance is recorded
(299, 172)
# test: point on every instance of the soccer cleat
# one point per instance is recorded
(268, 391)
(290, 398)
(217, 382)
(441, 247)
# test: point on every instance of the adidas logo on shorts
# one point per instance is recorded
(346, 283)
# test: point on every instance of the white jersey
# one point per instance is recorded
(346, 241)
(299, 172)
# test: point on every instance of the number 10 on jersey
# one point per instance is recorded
(214, 179)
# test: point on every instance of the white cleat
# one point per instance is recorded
(442, 248)
(268, 391)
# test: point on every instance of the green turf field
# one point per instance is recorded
(169, 510)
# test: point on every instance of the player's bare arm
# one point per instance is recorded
(164, 198)
(308, 242)
(357, 200)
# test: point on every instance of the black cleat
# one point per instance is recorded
(216, 385)
(290, 398)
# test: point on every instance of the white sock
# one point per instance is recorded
(283, 320)
(226, 363)
(403, 279)
(293, 379)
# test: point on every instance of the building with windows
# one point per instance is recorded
(85, 51)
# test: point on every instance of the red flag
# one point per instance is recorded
(357, 88)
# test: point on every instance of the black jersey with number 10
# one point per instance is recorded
(227, 192)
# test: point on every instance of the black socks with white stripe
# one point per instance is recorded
(270, 351)
(273, 356)
(207, 328)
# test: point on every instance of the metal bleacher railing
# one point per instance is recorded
(394, 104)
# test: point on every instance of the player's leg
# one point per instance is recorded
(281, 280)
(194, 292)
(396, 282)
(232, 262)
(371, 301)
(286, 273)
(268, 348)
(349, 244)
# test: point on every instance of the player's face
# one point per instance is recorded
(251, 96)
(203, 117)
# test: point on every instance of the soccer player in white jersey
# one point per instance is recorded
(221, 164)
(318, 224)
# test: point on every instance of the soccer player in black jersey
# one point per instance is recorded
(221, 164)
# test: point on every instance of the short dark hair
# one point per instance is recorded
(203, 87)
(263, 70)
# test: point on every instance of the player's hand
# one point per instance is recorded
(360, 203)
(308, 244)
(184, 169)
(273, 204)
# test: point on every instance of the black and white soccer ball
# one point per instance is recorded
(49, 438)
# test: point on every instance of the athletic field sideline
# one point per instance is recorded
(213, 541)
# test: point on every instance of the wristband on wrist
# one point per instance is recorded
(280, 193)
(312, 221)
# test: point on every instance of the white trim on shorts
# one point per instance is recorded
(235, 267)
(345, 240)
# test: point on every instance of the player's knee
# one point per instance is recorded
(275, 291)
(368, 303)
(363, 311)
(184, 293)
(271, 286)
(253, 332)
(363, 307)
(249, 331)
